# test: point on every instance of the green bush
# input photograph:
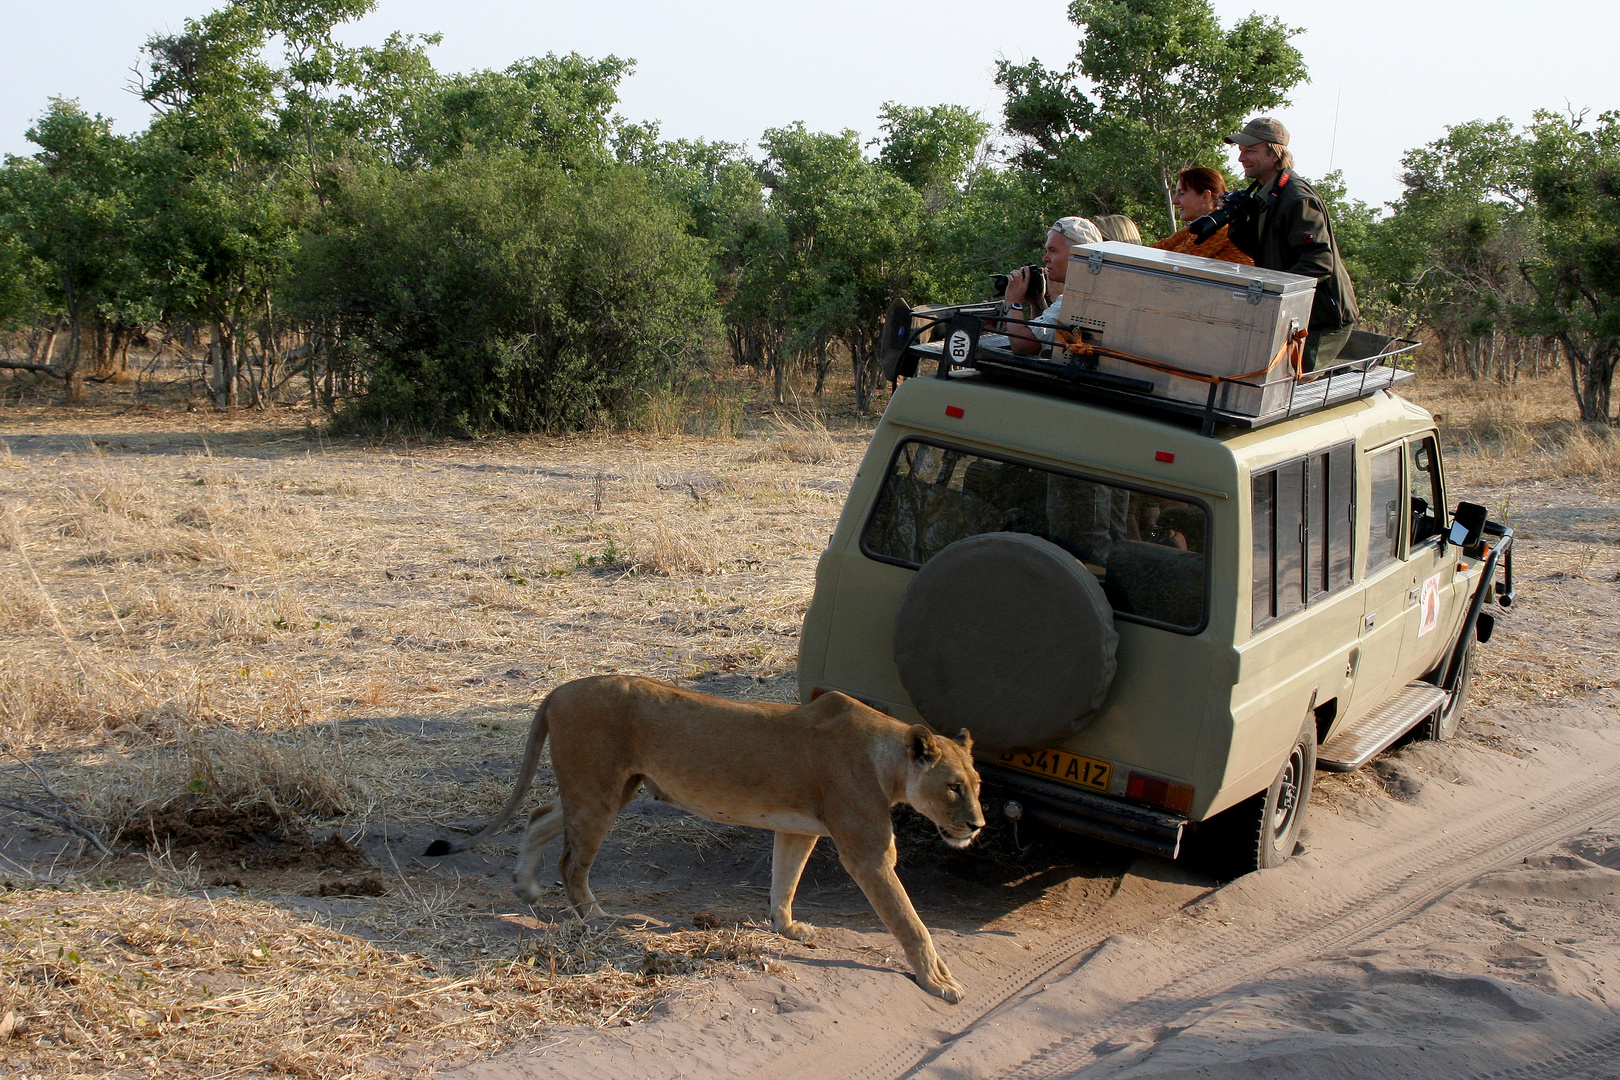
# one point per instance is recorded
(497, 293)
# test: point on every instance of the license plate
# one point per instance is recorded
(1061, 765)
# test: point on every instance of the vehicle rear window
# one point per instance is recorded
(1148, 549)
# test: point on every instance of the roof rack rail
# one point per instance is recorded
(1368, 363)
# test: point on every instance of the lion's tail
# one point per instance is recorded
(531, 762)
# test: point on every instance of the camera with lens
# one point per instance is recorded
(1033, 290)
(1235, 204)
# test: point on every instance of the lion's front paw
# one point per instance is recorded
(527, 891)
(942, 985)
(798, 931)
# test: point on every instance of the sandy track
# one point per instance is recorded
(1262, 929)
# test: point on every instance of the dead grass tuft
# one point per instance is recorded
(106, 980)
(801, 437)
(666, 547)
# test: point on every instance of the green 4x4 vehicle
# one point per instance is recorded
(1158, 619)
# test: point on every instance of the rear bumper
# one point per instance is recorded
(1157, 832)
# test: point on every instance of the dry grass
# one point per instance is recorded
(124, 983)
(253, 619)
(1525, 431)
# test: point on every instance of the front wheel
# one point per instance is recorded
(1443, 724)
(1262, 831)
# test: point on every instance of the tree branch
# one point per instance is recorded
(80, 830)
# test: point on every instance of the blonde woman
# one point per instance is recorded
(1119, 227)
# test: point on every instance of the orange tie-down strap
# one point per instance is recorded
(1292, 348)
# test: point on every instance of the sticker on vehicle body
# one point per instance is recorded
(1429, 616)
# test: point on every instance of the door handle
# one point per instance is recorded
(1413, 594)
(1368, 621)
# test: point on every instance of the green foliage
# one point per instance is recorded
(556, 107)
(1154, 87)
(500, 292)
(930, 148)
(69, 221)
(1574, 178)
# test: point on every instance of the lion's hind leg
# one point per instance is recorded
(586, 826)
(788, 856)
(544, 825)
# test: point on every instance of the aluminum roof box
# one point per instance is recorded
(1204, 316)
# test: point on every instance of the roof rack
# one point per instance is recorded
(1366, 364)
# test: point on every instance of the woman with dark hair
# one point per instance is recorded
(1198, 192)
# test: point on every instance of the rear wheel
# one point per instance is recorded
(1445, 721)
(1262, 831)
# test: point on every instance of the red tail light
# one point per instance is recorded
(1158, 792)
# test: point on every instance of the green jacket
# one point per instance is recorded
(1286, 228)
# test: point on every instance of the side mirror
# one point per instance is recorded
(1467, 525)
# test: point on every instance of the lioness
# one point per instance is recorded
(830, 768)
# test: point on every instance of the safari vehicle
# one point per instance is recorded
(1157, 616)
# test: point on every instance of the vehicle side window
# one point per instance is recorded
(1384, 533)
(1428, 496)
(1148, 550)
(1302, 515)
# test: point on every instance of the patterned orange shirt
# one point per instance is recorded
(1218, 246)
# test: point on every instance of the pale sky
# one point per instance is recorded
(1386, 75)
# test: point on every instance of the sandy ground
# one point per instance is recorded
(1454, 913)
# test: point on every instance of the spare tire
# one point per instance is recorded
(1009, 636)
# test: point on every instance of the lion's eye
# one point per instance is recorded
(956, 789)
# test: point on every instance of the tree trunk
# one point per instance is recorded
(100, 335)
(1591, 375)
(1169, 196)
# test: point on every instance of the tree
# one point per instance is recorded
(1575, 277)
(68, 213)
(1448, 255)
(930, 148)
(501, 292)
(1165, 83)
(556, 107)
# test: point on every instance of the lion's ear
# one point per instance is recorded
(965, 739)
(922, 745)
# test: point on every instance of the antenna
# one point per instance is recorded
(1334, 145)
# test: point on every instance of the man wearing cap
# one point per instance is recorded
(1061, 239)
(1285, 226)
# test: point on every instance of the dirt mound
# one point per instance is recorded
(253, 838)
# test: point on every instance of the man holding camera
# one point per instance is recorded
(1020, 301)
(1283, 225)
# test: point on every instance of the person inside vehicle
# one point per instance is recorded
(1285, 226)
(1119, 227)
(1198, 192)
(1027, 340)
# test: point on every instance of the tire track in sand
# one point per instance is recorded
(1402, 880)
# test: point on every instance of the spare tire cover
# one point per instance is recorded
(1009, 636)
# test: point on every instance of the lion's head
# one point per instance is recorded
(943, 785)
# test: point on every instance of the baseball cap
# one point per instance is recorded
(1078, 230)
(1262, 129)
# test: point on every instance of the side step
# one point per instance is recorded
(1353, 747)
